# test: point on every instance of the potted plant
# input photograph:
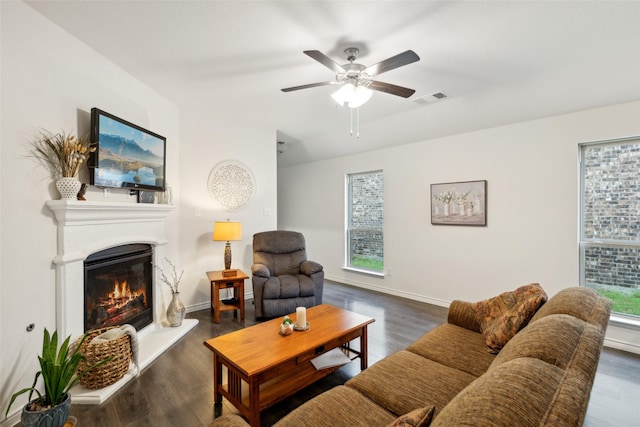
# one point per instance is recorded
(58, 368)
(286, 327)
(64, 155)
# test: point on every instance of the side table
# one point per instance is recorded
(219, 282)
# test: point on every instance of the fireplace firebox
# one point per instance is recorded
(118, 287)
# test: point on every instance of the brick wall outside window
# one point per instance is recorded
(366, 215)
(611, 215)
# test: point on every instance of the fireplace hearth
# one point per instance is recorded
(118, 287)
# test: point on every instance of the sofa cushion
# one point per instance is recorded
(339, 406)
(553, 339)
(455, 347)
(583, 303)
(516, 393)
(420, 417)
(307, 288)
(405, 381)
(288, 263)
(271, 288)
(288, 286)
(501, 317)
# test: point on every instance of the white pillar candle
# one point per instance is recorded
(301, 318)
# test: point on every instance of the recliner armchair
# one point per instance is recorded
(282, 277)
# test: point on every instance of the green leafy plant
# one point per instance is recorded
(58, 368)
(287, 321)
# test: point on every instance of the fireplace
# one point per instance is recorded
(86, 228)
(118, 287)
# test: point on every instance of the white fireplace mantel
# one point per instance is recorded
(72, 212)
(86, 227)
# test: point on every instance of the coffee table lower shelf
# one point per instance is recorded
(279, 388)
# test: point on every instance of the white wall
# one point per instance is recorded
(51, 81)
(532, 232)
(208, 139)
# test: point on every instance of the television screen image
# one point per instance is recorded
(127, 156)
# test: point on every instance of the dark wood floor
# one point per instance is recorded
(177, 388)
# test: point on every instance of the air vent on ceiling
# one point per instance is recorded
(428, 99)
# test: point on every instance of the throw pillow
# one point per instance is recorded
(503, 316)
(420, 417)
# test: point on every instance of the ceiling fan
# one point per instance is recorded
(354, 76)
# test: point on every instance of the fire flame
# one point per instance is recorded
(118, 305)
(120, 297)
(121, 290)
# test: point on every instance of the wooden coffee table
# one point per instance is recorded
(264, 367)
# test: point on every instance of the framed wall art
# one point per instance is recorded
(459, 203)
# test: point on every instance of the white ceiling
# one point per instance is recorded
(498, 61)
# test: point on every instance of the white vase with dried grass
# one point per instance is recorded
(64, 155)
(176, 309)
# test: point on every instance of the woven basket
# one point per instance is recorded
(111, 371)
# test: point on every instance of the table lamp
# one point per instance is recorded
(227, 231)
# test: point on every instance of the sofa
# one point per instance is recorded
(282, 276)
(455, 375)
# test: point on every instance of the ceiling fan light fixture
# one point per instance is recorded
(356, 79)
(352, 95)
(361, 95)
(344, 94)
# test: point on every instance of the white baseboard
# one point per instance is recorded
(11, 420)
(198, 307)
(207, 304)
(619, 345)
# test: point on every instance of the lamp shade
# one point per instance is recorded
(227, 230)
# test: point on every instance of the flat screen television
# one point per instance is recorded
(127, 156)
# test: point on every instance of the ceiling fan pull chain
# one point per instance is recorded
(351, 121)
(357, 121)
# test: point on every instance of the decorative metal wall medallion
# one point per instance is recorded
(231, 184)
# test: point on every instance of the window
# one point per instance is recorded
(365, 218)
(610, 222)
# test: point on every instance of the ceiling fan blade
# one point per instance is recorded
(392, 63)
(307, 86)
(325, 60)
(392, 89)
